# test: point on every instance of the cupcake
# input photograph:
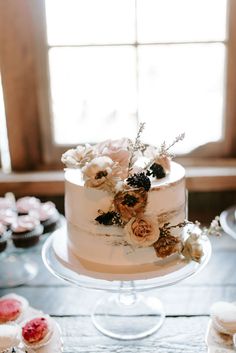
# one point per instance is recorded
(26, 231)
(9, 337)
(48, 215)
(7, 217)
(25, 204)
(4, 236)
(37, 331)
(12, 308)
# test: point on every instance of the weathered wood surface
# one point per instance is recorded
(187, 307)
(177, 335)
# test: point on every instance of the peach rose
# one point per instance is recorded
(167, 245)
(141, 231)
(130, 203)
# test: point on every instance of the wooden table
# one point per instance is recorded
(187, 307)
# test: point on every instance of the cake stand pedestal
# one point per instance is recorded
(124, 311)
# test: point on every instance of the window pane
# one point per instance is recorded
(90, 21)
(181, 20)
(181, 90)
(93, 93)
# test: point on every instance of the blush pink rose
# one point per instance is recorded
(117, 150)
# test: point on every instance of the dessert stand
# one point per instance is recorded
(122, 312)
(16, 267)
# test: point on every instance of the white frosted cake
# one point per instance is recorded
(112, 244)
(125, 206)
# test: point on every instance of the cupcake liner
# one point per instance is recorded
(27, 239)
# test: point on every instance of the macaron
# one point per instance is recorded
(9, 336)
(223, 316)
(37, 331)
(12, 308)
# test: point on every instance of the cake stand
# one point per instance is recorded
(124, 311)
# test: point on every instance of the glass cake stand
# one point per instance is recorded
(124, 311)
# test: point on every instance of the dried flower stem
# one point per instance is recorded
(164, 149)
(136, 146)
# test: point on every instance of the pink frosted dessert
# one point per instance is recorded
(37, 332)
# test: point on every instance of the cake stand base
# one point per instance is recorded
(16, 269)
(122, 312)
(128, 316)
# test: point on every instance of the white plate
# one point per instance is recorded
(228, 221)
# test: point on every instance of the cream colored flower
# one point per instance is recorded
(101, 173)
(141, 231)
(78, 157)
(192, 248)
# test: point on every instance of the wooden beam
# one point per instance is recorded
(52, 182)
(19, 77)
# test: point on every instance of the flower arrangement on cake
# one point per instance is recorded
(129, 171)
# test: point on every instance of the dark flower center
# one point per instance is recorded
(139, 180)
(157, 171)
(101, 174)
(109, 218)
(129, 200)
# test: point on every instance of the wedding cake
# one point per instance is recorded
(125, 204)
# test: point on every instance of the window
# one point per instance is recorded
(154, 64)
(86, 70)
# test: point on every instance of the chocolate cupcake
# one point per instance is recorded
(25, 204)
(48, 216)
(4, 236)
(26, 231)
(37, 331)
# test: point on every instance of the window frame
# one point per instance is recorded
(25, 78)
